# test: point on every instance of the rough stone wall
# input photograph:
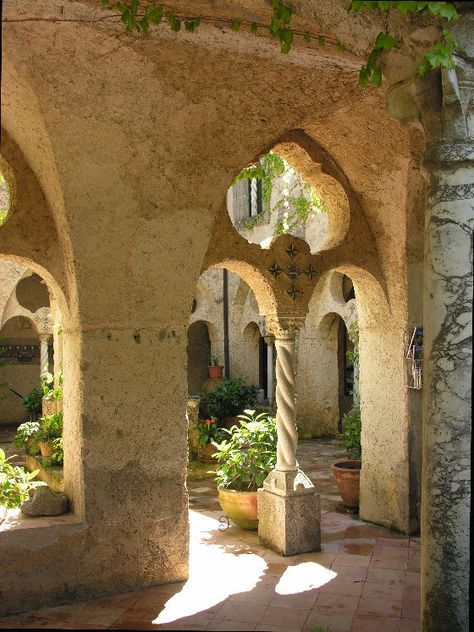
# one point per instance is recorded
(118, 199)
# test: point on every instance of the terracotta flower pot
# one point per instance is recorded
(206, 453)
(215, 370)
(241, 507)
(347, 475)
(46, 449)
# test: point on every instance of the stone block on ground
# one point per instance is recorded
(44, 502)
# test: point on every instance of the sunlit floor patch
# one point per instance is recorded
(303, 577)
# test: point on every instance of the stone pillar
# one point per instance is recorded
(288, 505)
(44, 357)
(447, 320)
(270, 381)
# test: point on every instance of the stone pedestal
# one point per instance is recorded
(289, 513)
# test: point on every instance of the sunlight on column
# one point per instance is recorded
(303, 577)
(216, 571)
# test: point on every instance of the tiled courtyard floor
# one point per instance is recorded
(365, 579)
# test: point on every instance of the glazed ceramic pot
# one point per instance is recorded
(240, 507)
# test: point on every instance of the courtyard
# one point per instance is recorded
(365, 578)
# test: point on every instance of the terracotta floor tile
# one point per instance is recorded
(411, 609)
(257, 595)
(393, 563)
(372, 623)
(342, 586)
(301, 600)
(229, 624)
(344, 605)
(245, 613)
(275, 615)
(374, 605)
(345, 559)
(409, 625)
(386, 574)
(413, 565)
(413, 578)
(384, 590)
(352, 573)
(335, 622)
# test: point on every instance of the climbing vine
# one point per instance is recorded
(141, 15)
(298, 201)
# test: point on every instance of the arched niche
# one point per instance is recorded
(198, 353)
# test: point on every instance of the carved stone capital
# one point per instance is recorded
(284, 327)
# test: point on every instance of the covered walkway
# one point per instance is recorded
(365, 579)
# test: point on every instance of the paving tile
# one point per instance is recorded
(248, 613)
(301, 600)
(344, 605)
(411, 609)
(229, 624)
(345, 559)
(276, 615)
(342, 586)
(373, 623)
(409, 625)
(335, 622)
(375, 605)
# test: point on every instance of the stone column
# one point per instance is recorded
(44, 357)
(288, 505)
(269, 343)
(445, 515)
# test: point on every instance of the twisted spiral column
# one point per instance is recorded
(44, 356)
(286, 405)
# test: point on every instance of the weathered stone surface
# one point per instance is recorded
(289, 525)
(44, 502)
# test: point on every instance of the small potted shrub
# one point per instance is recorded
(51, 429)
(245, 459)
(209, 431)
(27, 437)
(215, 368)
(229, 399)
(15, 485)
(347, 473)
(32, 403)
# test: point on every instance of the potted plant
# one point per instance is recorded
(215, 368)
(245, 458)
(27, 437)
(347, 473)
(209, 431)
(15, 484)
(229, 399)
(51, 429)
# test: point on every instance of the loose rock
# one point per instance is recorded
(44, 502)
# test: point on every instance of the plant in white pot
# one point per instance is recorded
(245, 459)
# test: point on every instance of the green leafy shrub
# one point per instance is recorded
(209, 430)
(15, 483)
(48, 381)
(232, 397)
(27, 436)
(51, 427)
(351, 430)
(32, 403)
(248, 455)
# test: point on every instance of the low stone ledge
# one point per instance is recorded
(53, 476)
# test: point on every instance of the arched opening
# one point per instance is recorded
(20, 371)
(271, 198)
(32, 293)
(199, 353)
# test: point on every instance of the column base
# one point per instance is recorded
(289, 513)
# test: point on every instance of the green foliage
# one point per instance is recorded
(32, 403)
(297, 208)
(228, 399)
(351, 430)
(214, 360)
(248, 455)
(353, 334)
(209, 430)
(51, 427)
(320, 628)
(57, 456)
(27, 434)
(48, 382)
(15, 483)
(280, 29)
